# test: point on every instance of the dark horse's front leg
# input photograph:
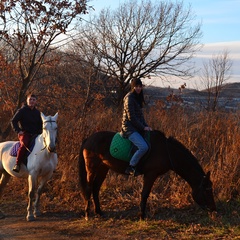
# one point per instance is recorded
(100, 177)
(148, 181)
(88, 193)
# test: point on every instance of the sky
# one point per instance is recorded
(220, 25)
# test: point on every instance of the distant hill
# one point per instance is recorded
(230, 90)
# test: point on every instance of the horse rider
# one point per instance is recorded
(133, 122)
(26, 122)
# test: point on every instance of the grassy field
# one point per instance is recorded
(63, 215)
(213, 137)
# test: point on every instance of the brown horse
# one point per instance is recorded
(166, 154)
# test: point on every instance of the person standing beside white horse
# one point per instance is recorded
(41, 162)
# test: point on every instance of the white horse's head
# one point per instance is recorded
(49, 131)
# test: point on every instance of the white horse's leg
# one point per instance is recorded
(31, 192)
(44, 179)
(3, 182)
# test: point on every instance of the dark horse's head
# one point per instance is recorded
(190, 169)
(203, 194)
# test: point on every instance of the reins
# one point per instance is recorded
(44, 141)
(42, 148)
(27, 148)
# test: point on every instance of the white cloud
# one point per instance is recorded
(207, 52)
(211, 49)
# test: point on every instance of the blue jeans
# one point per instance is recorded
(142, 146)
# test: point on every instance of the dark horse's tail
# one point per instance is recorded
(82, 171)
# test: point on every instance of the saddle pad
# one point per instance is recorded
(120, 148)
(14, 149)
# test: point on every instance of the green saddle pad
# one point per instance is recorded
(120, 148)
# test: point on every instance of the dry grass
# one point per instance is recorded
(214, 138)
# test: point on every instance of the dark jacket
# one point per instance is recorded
(27, 120)
(133, 119)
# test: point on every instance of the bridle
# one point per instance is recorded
(44, 140)
(51, 121)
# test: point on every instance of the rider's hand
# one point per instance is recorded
(20, 133)
(147, 129)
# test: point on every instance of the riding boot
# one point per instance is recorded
(22, 151)
(21, 154)
(130, 170)
(16, 168)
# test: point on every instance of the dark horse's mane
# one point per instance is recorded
(190, 157)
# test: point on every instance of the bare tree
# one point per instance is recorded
(140, 39)
(28, 29)
(215, 73)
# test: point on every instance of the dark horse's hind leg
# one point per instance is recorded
(96, 174)
(100, 177)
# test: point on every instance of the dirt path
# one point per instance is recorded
(61, 221)
(61, 225)
(67, 225)
(48, 226)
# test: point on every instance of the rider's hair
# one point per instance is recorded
(31, 95)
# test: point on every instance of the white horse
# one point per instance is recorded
(41, 163)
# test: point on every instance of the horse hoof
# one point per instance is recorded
(100, 215)
(37, 214)
(142, 217)
(2, 215)
(213, 215)
(30, 218)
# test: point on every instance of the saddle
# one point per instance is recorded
(16, 146)
(123, 149)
